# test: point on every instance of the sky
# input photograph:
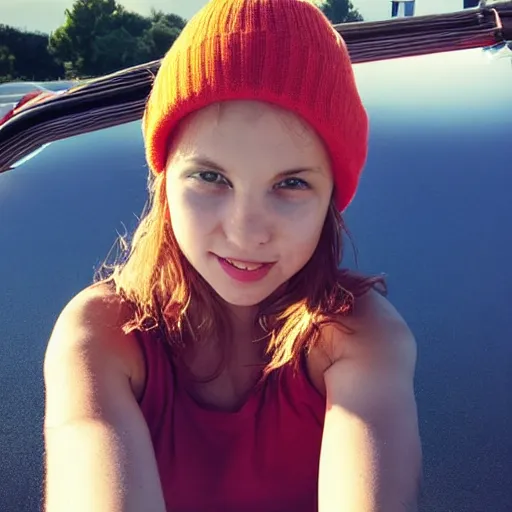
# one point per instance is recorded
(47, 15)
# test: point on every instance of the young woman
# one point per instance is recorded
(228, 363)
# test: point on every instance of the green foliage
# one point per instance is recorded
(160, 37)
(101, 36)
(113, 50)
(7, 62)
(340, 11)
(24, 55)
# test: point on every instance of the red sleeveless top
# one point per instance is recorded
(262, 458)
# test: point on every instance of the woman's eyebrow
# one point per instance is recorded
(210, 164)
(204, 162)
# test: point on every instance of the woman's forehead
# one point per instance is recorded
(248, 125)
(249, 113)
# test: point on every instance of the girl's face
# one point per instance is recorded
(248, 186)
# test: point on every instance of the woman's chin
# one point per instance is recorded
(248, 297)
(243, 294)
(242, 300)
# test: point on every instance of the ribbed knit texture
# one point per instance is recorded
(284, 52)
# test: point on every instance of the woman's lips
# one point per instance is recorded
(244, 271)
(245, 265)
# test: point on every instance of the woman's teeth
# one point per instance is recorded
(244, 266)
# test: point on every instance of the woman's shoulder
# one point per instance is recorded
(92, 322)
(374, 329)
(97, 309)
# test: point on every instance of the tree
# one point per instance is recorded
(7, 62)
(173, 20)
(73, 43)
(24, 55)
(164, 30)
(340, 11)
(101, 36)
(114, 50)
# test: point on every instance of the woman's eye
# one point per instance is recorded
(211, 177)
(293, 183)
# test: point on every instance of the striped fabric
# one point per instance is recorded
(101, 103)
(121, 97)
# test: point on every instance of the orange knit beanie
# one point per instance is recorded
(283, 52)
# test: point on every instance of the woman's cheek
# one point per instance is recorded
(198, 211)
(301, 227)
(306, 211)
(202, 200)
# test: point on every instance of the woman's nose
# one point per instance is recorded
(247, 224)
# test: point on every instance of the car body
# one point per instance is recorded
(433, 212)
(58, 85)
(12, 92)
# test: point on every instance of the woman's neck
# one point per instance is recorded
(242, 318)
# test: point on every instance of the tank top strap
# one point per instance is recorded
(300, 390)
(156, 401)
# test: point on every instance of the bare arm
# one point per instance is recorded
(371, 451)
(99, 454)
